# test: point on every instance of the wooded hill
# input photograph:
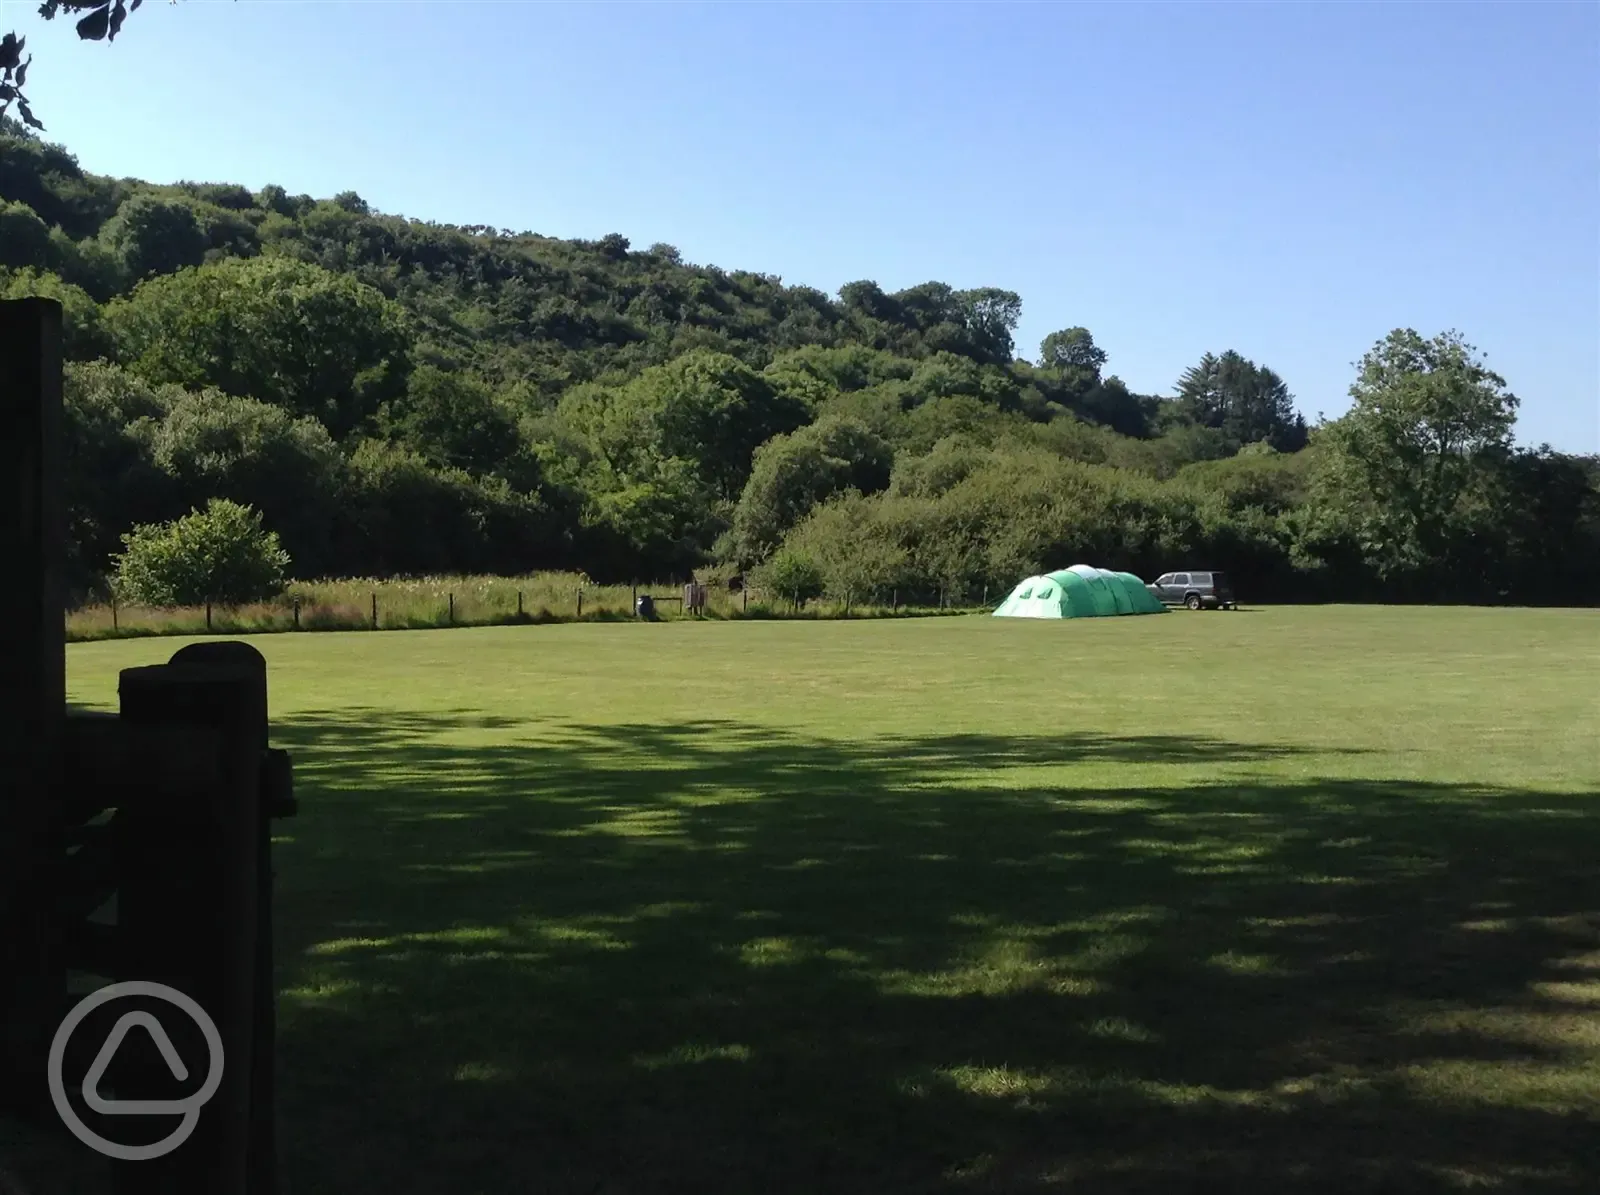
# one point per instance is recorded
(399, 397)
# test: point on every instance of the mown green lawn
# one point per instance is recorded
(1280, 900)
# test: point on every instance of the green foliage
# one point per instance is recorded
(794, 473)
(451, 418)
(153, 235)
(220, 554)
(211, 444)
(1072, 348)
(857, 553)
(1244, 401)
(84, 336)
(710, 409)
(1405, 473)
(401, 397)
(24, 237)
(792, 575)
(283, 331)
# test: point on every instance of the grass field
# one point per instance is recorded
(1281, 900)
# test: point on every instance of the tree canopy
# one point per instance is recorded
(398, 397)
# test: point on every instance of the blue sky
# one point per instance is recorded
(1288, 180)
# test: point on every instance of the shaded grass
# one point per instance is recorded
(1303, 901)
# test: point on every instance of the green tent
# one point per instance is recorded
(1080, 592)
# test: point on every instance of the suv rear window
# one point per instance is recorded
(1219, 579)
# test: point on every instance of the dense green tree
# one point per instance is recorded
(24, 237)
(1246, 402)
(215, 445)
(791, 576)
(1428, 419)
(154, 235)
(1073, 347)
(84, 336)
(707, 409)
(283, 331)
(855, 552)
(111, 482)
(452, 418)
(794, 473)
(221, 554)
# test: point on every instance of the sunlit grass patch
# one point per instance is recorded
(690, 1055)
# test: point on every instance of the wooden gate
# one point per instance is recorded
(160, 812)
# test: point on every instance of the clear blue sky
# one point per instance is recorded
(1288, 180)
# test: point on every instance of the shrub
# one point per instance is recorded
(791, 575)
(221, 554)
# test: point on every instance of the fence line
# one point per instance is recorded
(460, 602)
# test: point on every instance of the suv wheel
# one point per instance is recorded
(1192, 601)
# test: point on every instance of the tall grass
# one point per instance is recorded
(432, 602)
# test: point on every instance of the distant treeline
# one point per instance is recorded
(401, 398)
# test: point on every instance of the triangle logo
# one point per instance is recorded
(102, 1062)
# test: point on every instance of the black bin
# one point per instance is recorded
(645, 607)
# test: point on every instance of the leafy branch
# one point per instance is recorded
(102, 23)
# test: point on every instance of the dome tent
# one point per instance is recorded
(1079, 592)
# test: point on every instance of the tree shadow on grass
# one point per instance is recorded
(711, 957)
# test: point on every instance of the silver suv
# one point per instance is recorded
(1196, 590)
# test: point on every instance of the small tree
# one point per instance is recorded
(221, 554)
(792, 575)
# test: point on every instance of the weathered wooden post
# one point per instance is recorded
(188, 911)
(33, 691)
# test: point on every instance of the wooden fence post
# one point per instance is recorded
(113, 616)
(297, 614)
(32, 684)
(519, 603)
(580, 603)
(190, 911)
(374, 609)
(208, 616)
(452, 614)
